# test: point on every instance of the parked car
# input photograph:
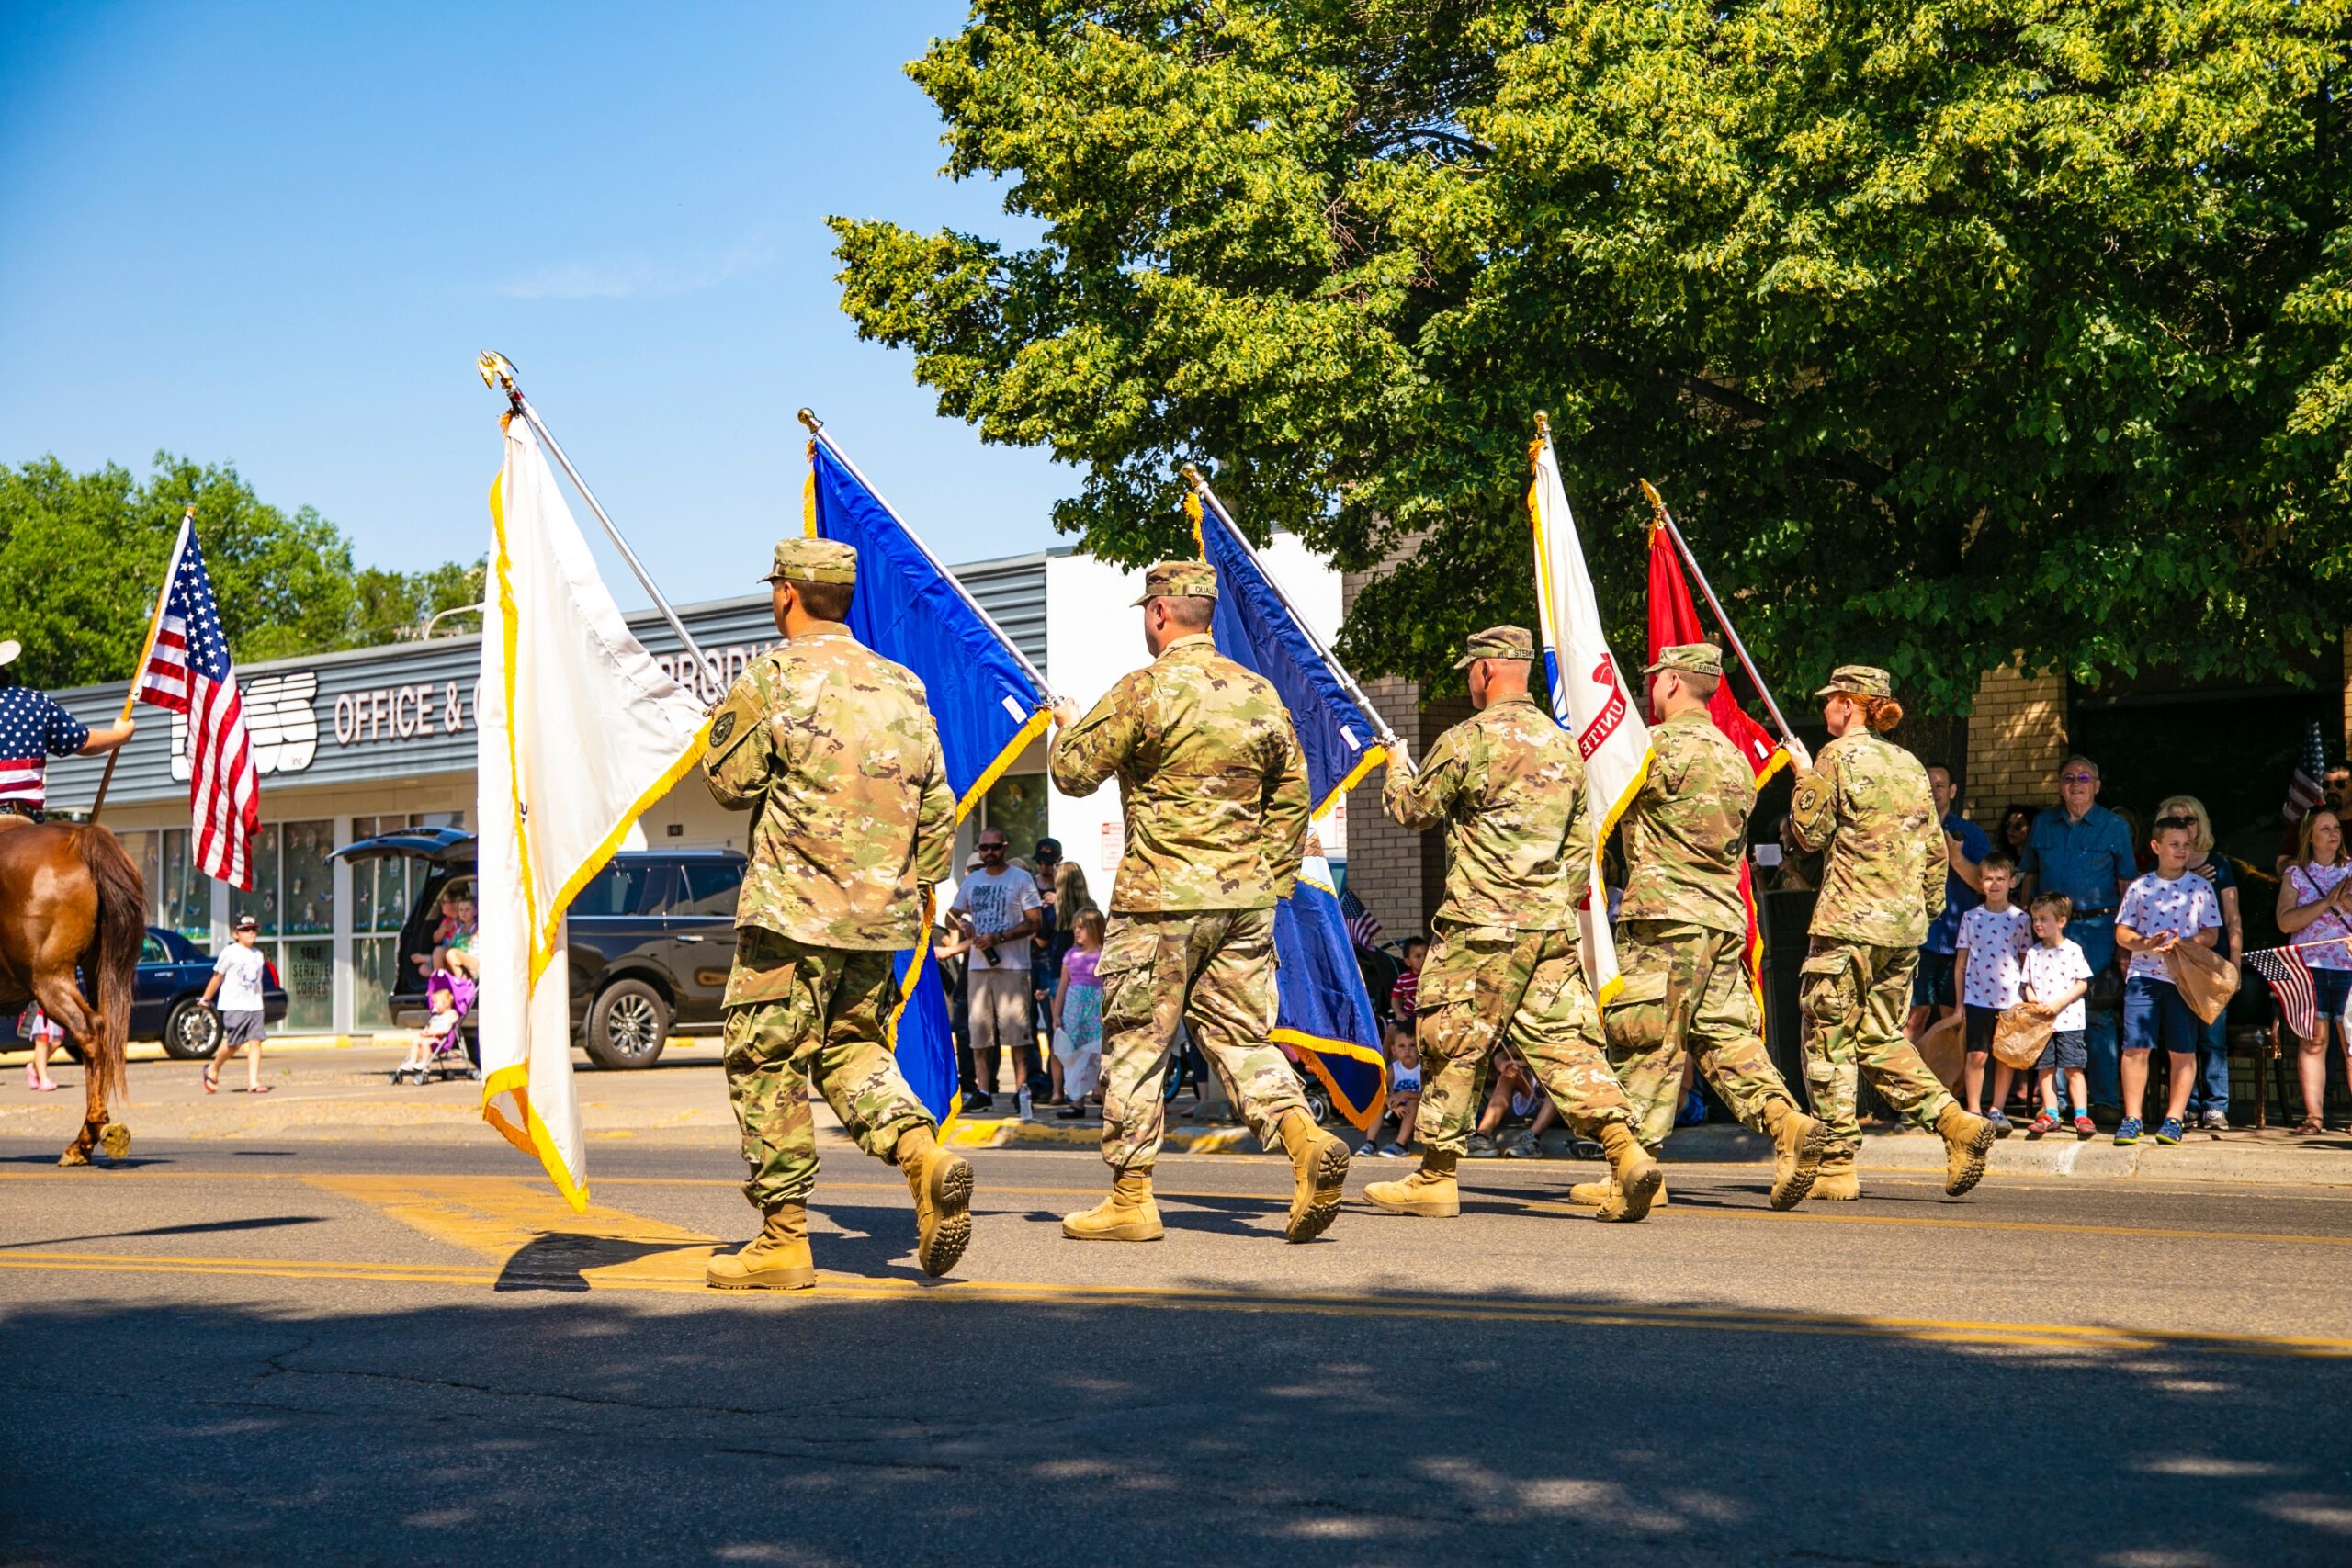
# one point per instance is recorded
(167, 998)
(651, 939)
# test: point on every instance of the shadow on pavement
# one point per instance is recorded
(207, 1227)
(385, 1423)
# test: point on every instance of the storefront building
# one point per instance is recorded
(350, 745)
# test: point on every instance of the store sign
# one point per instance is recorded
(418, 711)
(720, 667)
(280, 720)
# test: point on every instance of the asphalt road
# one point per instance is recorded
(410, 1352)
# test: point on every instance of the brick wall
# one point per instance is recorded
(2016, 739)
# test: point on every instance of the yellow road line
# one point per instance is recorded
(506, 1210)
(841, 1287)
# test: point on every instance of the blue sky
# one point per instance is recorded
(278, 235)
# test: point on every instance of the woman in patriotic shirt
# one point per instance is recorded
(2315, 914)
(32, 730)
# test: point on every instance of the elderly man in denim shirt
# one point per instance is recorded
(2081, 849)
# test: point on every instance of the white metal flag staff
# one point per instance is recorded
(1590, 698)
(581, 731)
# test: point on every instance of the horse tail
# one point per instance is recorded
(122, 930)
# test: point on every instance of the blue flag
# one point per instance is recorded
(1255, 630)
(987, 704)
(1322, 1009)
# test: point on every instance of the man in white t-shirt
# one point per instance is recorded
(238, 977)
(999, 912)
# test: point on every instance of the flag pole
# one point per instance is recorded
(498, 375)
(817, 432)
(1201, 488)
(139, 670)
(1666, 521)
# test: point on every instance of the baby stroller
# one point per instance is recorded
(440, 1048)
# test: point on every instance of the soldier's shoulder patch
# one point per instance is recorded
(736, 719)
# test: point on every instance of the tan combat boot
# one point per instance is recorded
(1429, 1193)
(775, 1260)
(1635, 1176)
(942, 1183)
(1798, 1142)
(1127, 1215)
(1835, 1180)
(1594, 1194)
(1967, 1140)
(1319, 1167)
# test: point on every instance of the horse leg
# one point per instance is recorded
(63, 1000)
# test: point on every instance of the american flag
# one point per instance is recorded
(1363, 930)
(2290, 983)
(2303, 785)
(189, 672)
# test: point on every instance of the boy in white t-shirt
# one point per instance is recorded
(238, 977)
(1985, 976)
(2057, 979)
(2168, 906)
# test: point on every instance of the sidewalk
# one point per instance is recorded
(2241, 1156)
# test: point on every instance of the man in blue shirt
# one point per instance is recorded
(2081, 849)
(1964, 846)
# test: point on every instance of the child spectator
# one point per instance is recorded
(1404, 1099)
(1516, 1096)
(238, 977)
(1987, 973)
(1406, 994)
(1077, 1014)
(2163, 907)
(43, 1036)
(2057, 979)
(441, 1022)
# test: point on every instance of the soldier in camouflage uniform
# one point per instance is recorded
(1213, 792)
(832, 748)
(1682, 932)
(1865, 809)
(1509, 787)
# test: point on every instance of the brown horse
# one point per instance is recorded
(71, 899)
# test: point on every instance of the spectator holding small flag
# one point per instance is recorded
(2168, 906)
(2315, 916)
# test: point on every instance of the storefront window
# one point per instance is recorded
(262, 901)
(308, 878)
(382, 891)
(182, 894)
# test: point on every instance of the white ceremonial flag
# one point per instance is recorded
(580, 731)
(1589, 696)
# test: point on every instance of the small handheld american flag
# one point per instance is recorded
(190, 672)
(2303, 785)
(2290, 984)
(1363, 928)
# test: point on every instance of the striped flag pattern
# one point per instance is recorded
(2290, 984)
(1363, 927)
(189, 672)
(2303, 785)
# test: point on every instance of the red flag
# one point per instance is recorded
(1674, 618)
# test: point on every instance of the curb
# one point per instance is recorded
(296, 1044)
(2235, 1159)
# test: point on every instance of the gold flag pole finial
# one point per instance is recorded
(1191, 472)
(1658, 501)
(1543, 425)
(809, 417)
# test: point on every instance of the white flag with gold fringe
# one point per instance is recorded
(1589, 696)
(579, 732)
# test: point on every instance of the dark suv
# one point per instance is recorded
(651, 939)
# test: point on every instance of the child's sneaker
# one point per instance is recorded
(1366, 1150)
(2043, 1125)
(2001, 1128)
(2215, 1119)
(2128, 1130)
(1394, 1151)
(2169, 1131)
(2084, 1126)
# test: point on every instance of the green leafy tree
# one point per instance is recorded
(1948, 330)
(82, 555)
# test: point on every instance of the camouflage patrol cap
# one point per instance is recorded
(1690, 659)
(1178, 580)
(1858, 680)
(1497, 642)
(814, 561)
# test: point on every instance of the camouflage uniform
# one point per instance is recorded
(832, 746)
(1683, 927)
(1212, 791)
(1865, 807)
(1508, 786)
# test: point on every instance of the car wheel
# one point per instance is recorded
(1319, 1099)
(628, 1026)
(192, 1032)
